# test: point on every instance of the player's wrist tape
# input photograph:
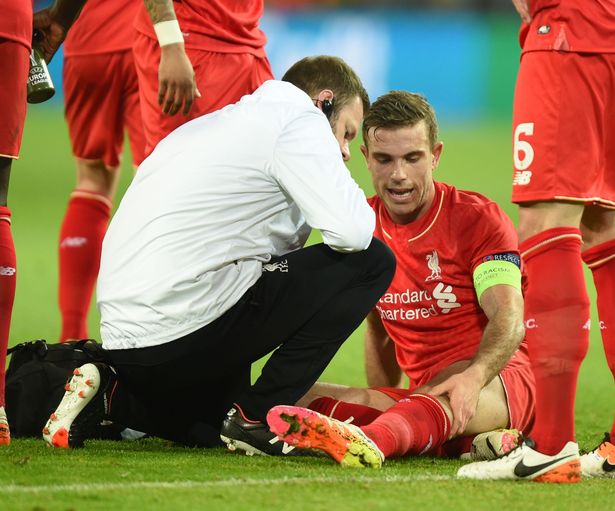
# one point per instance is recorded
(168, 32)
(494, 273)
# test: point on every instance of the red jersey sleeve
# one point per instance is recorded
(490, 231)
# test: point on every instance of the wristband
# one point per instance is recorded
(493, 273)
(168, 32)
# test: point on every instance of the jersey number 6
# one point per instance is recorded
(523, 147)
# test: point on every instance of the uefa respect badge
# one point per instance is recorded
(40, 86)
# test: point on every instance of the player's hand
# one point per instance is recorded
(176, 83)
(462, 390)
(523, 8)
(49, 34)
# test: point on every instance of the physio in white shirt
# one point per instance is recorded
(204, 269)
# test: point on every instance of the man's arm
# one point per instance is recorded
(380, 361)
(503, 306)
(523, 8)
(52, 24)
(176, 83)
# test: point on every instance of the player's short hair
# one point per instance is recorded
(398, 109)
(314, 74)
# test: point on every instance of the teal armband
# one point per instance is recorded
(494, 273)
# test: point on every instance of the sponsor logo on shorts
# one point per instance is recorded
(7, 271)
(522, 177)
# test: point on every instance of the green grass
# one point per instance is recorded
(153, 474)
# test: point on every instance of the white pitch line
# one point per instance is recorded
(179, 485)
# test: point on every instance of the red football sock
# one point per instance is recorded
(601, 261)
(7, 289)
(415, 425)
(557, 330)
(342, 410)
(83, 229)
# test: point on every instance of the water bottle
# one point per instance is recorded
(40, 85)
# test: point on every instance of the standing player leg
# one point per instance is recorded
(557, 130)
(94, 102)
(83, 229)
(7, 286)
(599, 238)
(14, 68)
(557, 315)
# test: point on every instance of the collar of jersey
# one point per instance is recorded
(413, 230)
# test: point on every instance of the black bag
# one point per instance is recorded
(35, 380)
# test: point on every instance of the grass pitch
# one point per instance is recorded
(153, 474)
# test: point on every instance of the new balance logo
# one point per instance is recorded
(73, 242)
(445, 298)
(7, 271)
(286, 448)
(281, 266)
(522, 178)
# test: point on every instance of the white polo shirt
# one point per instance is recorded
(215, 200)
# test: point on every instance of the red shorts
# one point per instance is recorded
(14, 67)
(518, 381)
(101, 99)
(222, 79)
(564, 128)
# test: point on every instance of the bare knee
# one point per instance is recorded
(597, 226)
(537, 217)
(491, 411)
(96, 177)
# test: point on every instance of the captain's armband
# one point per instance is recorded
(493, 273)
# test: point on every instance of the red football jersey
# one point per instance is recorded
(223, 26)
(103, 26)
(16, 21)
(431, 310)
(570, 25)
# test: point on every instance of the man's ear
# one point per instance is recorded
(435, 154)
(325, 94)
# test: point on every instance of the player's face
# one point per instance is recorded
(402, 162)
(346, 125)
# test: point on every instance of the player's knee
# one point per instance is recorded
(96, 177)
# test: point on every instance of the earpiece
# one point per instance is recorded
(327, 107)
